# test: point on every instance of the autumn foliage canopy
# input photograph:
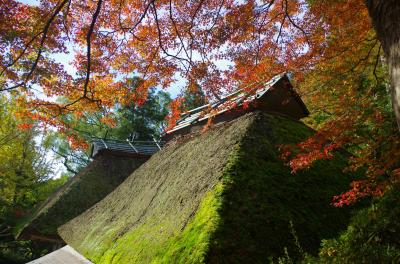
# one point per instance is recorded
(329, 48)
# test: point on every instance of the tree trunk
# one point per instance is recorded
(385, 15)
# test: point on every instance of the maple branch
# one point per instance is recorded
(294, 24)
(376, 63)
(65, 21)
(209, 31)
(40, 50)
(88, 45)
(363, 59)
(111, 54)
(142, 16)
(121, 3)
(342, 75)
(280, 28)
(266, 10)
(88, 67)
(124, 28)
(216, 17)
(22, 52)
(191, 27)
(153, 55)
(159, 35)
(176, 30)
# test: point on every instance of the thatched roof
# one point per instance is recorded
(222, 195)
(82, 191)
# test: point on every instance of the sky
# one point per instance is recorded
(29, 2)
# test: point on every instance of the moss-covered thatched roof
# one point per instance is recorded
(82, 191)
(220, 197)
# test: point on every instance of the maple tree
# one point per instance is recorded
(330, 48)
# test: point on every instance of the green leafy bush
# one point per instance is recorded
(372, 236)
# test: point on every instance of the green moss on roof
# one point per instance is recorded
(221, 197)
(81, 192)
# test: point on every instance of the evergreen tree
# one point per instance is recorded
(193, 97)
(147, 119)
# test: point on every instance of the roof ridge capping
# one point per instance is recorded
(276, 95)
